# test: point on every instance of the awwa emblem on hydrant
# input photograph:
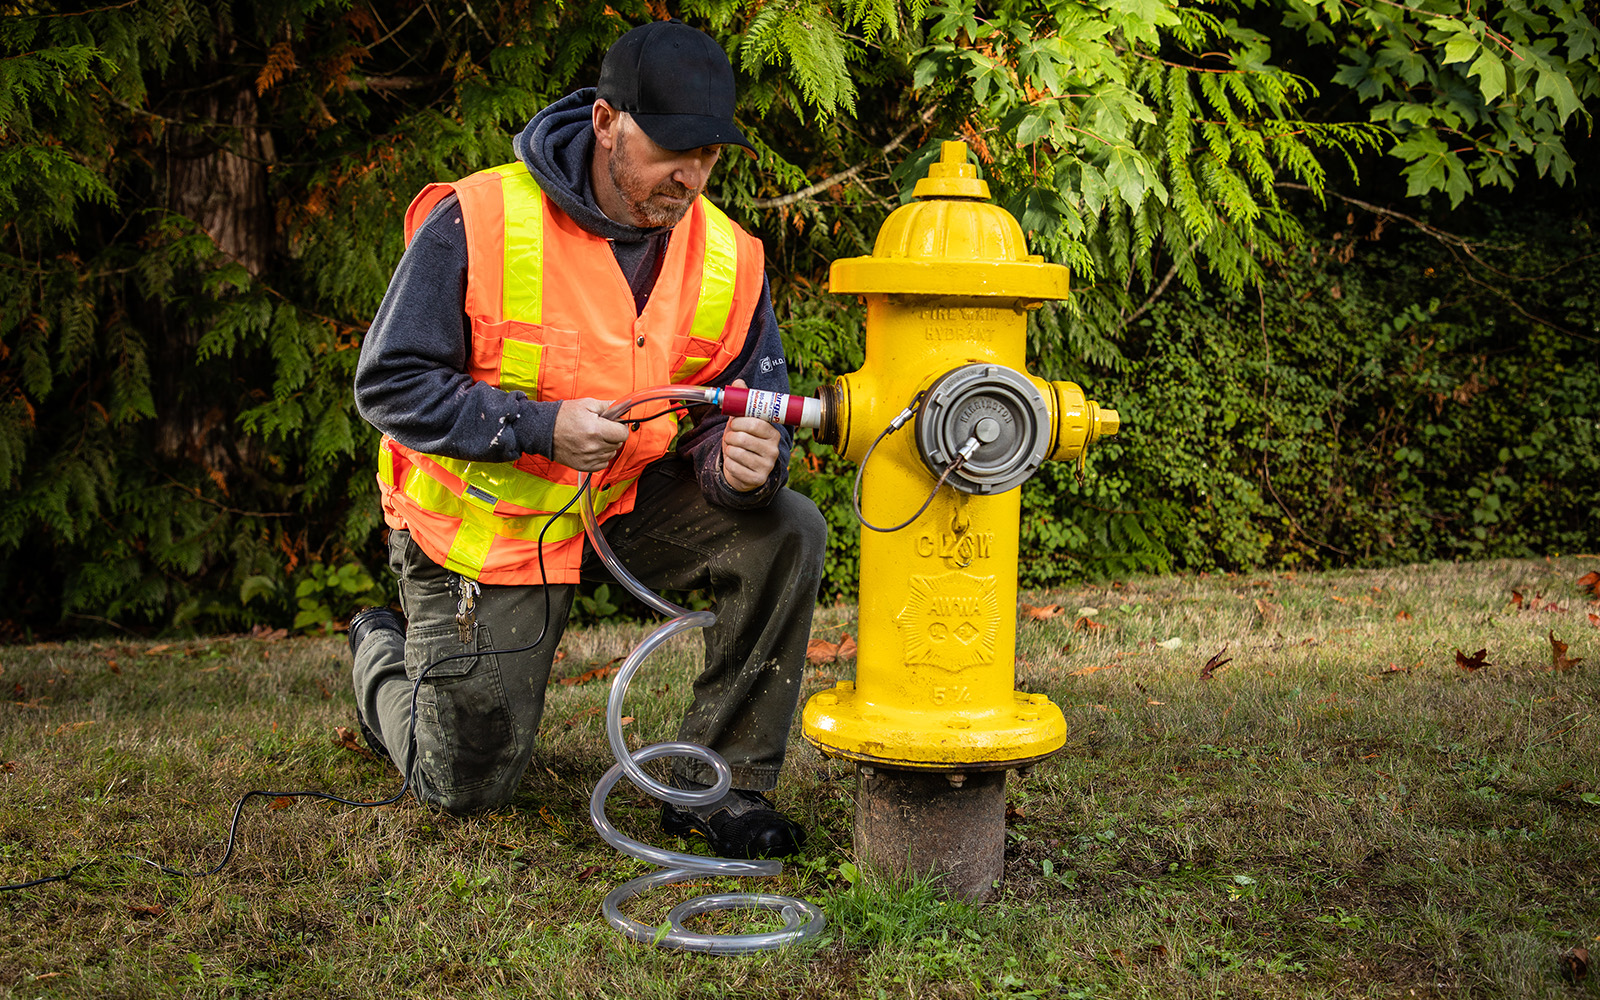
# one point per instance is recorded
(951, 620)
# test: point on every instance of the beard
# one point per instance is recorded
(649, 208)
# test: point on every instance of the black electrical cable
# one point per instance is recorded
(238, 809)
(894, 425)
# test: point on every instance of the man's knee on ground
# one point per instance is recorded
(471, 801)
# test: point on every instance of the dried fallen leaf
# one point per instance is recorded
(597, 674)
(345, 738)
(1590, 581)
(7, 766)
(1170, 644)
(147, 911)
(1214, 664)
(1558, 655)
(281, 802)
(1040, 614)
(1402, 616)
(1269, 612)
(1086, 671)
(822, 651)
(588, 872)
(1594, 619)
(1014, 812)
(1473, 662)
(1085, 625)
(1516, 598)
(1575, 963)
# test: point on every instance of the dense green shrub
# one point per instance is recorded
(1373, 402)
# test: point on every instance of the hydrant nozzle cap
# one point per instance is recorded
(952, 177)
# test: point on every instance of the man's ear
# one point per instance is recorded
(606, 120)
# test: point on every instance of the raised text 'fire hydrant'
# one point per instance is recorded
(932, 718)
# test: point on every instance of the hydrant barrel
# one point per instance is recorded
(948, 288)
(932, 717)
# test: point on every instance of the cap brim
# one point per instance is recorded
(680, 132)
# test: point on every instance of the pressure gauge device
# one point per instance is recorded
(998, 406)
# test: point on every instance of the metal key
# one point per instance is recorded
(467, 610)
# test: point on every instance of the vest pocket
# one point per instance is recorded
(537, 359)
(691, 356)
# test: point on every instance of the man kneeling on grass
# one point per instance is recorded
(529, 295)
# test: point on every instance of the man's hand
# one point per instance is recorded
(749, 451)
(584, 440)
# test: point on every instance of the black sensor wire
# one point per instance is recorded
(416, 687)
(238, 809)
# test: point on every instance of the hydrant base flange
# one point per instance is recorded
(931, 767)
(911, 823)
(1012, 730)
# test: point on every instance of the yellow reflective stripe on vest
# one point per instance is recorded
(522, 295)
(479, 526)
(719, 273)
(519, 366)
(489, 483)
(688, 368)
(386, 466)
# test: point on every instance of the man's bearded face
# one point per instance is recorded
(658, 185)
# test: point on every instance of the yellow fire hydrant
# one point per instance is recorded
(932, 718)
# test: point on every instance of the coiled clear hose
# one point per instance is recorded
(801, 920)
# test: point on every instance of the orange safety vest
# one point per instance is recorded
(553, 316)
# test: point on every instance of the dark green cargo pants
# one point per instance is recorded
(477, 717)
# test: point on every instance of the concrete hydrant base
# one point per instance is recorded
(920, 822)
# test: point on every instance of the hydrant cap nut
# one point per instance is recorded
(953, 176)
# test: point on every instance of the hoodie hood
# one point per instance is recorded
(556, 146)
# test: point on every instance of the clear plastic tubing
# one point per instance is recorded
(801, 920)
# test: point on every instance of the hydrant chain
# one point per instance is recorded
(894, 425)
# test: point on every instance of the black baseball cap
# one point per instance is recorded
(677, 84)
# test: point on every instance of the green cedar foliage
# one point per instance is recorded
(201, 207)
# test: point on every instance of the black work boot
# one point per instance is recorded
(362, 624)
(741, 824)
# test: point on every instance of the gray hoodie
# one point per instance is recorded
(411, 381)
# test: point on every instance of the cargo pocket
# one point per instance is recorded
(464, 723)
(542, 361)
(691, 356)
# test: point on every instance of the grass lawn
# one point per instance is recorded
(1343, 808)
